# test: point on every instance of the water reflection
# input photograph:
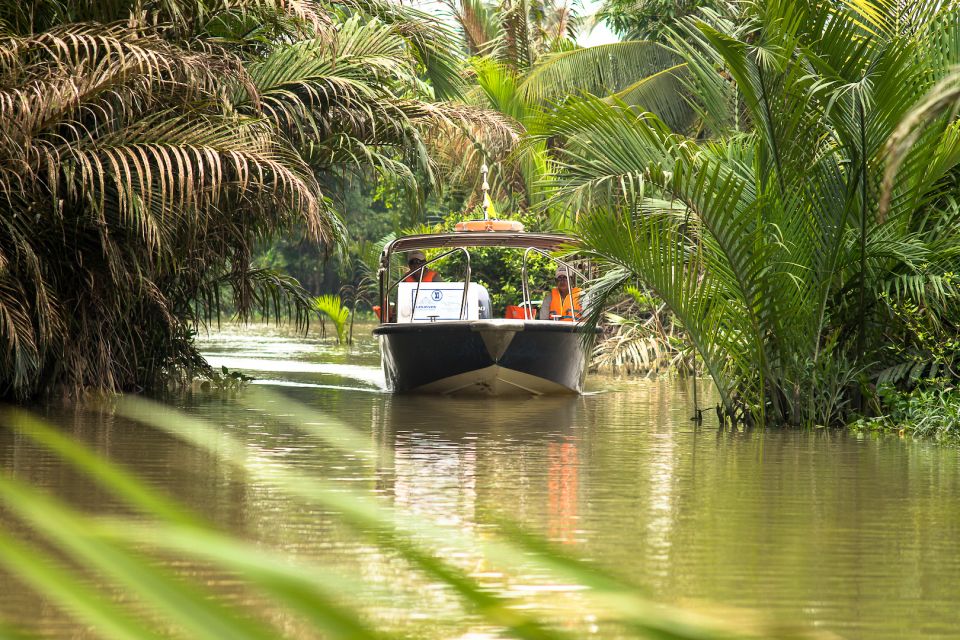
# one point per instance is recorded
(564, 466)
(856, 536)
(449, 457)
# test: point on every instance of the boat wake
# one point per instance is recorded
(370, 375)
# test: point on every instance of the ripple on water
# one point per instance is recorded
(852, 535)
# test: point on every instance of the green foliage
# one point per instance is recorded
(648, 19)
(229, 381)
(525, 61)
(139, 547)
(777, 266)
(643, 74)
(498, 87)
(516, 33)
(370, 212)
(147, 152)
(931, 410)
(917, 393)
(924, 343)
(332, 307)
(124, 220)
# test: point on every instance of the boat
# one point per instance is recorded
(443, 338)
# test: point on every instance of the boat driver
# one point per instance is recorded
(563, 302)
(416, 261)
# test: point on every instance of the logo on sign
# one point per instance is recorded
(437, 295)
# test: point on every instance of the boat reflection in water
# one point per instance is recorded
(437, 469)
(562, 486)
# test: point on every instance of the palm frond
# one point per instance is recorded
(478, 22)
(431, 42)
(662, 93)
(781, 230)
(139, 172)
(601, 70)
(518, 50)
(332, 307)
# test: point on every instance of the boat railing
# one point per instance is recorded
(423, 269)
(525, 284)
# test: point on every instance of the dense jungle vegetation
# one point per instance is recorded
(768, 183)
(149, 147)
(813, 253)
(769, 186)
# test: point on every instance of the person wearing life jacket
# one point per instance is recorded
(416, 261)
(563, 301)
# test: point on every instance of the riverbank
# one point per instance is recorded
(929, 411)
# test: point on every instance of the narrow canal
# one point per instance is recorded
(821, 529)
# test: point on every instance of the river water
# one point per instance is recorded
(821, 530)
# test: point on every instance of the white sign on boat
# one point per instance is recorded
(436, 301)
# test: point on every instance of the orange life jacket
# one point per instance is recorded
(414, 276)
(562, 308)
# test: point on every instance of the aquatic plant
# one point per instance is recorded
(140, 548)
(332, 307)
(931, 409)
(776, 265)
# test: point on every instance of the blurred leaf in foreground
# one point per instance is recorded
(80, 561)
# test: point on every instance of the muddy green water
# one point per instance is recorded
(853, 536)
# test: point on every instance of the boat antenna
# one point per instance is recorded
(484, 170)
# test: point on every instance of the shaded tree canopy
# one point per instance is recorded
(148, 148)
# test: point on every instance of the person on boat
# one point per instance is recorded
(416, 261)
(563, 302)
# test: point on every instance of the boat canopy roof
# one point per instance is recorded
(522, 240)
